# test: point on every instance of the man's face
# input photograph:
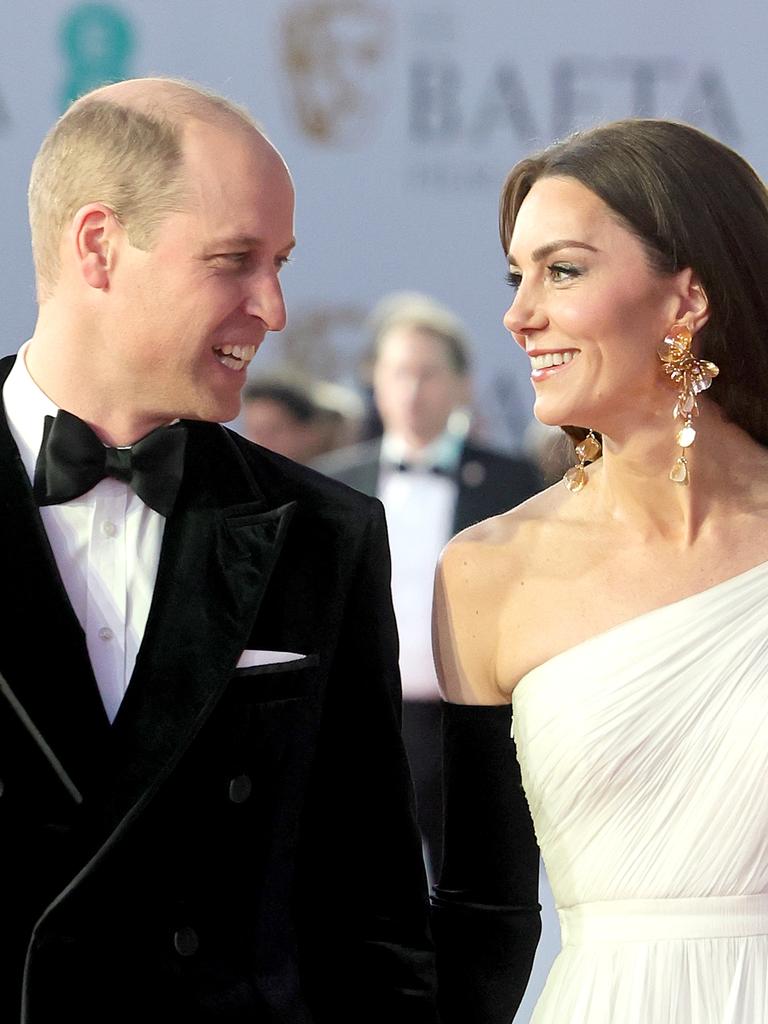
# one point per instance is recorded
(415, 386)
(191, 312)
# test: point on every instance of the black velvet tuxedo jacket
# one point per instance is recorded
(489, 482)
(239, 844)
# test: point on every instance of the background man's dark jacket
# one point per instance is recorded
(238, 845)
(489, 482)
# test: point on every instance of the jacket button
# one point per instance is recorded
(473, 473)
(240, 789)
(185, 941)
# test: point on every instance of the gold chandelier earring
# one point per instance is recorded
(586, 451)
(690, 376)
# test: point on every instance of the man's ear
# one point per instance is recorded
(96, 234)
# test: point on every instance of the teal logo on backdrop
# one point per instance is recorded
(97, 41)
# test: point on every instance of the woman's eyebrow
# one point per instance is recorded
(546, 250)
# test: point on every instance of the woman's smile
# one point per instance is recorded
(547, 364)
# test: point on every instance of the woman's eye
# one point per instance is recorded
(513, 278)
(560, 272)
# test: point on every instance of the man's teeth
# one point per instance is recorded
(235, 356)
(548, 359)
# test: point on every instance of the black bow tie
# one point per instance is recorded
(419, 467)
(72, 460)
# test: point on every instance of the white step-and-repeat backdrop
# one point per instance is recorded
(399, 119)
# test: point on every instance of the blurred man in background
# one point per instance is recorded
(299, 421)
(434, 480)
(281, 417)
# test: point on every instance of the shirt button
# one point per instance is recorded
(185, 941)
(108, 528)
(105, 633)
(240, 789)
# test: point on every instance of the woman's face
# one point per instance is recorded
(588, 309)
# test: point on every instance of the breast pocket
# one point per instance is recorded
(275, 681)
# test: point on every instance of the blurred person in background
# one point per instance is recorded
(281, 416)
(299, 421)
(433, 480)
(340, 413)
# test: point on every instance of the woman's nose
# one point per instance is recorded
(524, 316)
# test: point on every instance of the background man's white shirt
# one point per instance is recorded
(420, 507)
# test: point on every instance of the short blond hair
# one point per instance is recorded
(127, 156)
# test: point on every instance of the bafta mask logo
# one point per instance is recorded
(333, 52)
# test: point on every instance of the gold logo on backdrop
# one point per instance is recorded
(333, 51)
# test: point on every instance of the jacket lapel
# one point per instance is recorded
(219, 550)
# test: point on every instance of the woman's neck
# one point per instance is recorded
(728, 470)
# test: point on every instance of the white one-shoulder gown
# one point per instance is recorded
(644, 757)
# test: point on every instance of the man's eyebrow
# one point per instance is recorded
(245, 242)
(546, 250)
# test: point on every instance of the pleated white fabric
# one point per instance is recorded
(644, 757)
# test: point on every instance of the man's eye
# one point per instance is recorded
(229, 258)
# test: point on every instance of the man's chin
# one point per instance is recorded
(213, 412)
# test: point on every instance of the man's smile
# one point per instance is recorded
(235, 357)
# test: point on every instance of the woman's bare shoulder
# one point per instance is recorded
(477, 570)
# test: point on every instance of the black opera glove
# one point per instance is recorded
(485, 910)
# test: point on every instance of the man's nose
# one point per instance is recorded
(265, 300)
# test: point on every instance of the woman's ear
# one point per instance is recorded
(694, 304)
(700, 304)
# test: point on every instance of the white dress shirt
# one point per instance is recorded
(106, 544)
(420, 507)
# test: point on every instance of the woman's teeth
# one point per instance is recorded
(548, 359)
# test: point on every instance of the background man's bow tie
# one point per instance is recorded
(416, 467)
(72, 460)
